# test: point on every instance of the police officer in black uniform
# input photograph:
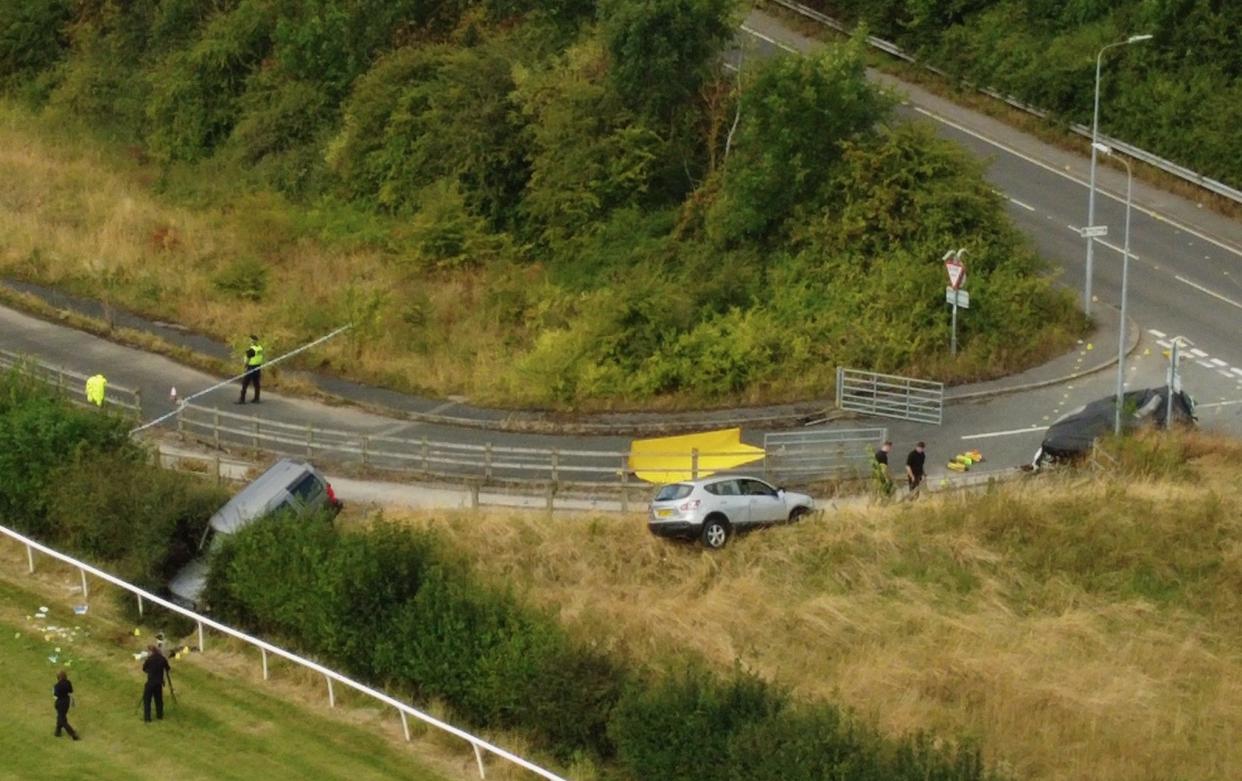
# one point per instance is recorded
(156, 667)
(61, 692)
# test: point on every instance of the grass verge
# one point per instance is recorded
(1080, 628)
(222, 727)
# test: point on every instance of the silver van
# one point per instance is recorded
(288, 484)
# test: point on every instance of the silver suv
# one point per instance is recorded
(711, 508)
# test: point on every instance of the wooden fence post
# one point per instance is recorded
(310, 441)
(215, 427)
(366, 443)
(487, 461)
(694, 463)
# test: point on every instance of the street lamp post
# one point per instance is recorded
(1125, 278)
(1095, 140)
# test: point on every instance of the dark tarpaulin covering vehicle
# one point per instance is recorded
(1071, 436)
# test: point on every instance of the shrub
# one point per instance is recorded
(245, 278)
(32, 36)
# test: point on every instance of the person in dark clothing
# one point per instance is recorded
(254, 369)
(879, 470)
(61, 692)
(156, 667)
(914, 466)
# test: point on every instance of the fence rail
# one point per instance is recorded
(890, 396)
(1169, 167)
(331, 676)
(484, 462)
(72, 385)
(832, 452)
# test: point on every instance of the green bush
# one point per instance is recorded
(245, 278)
(38, 433)
(32, 36)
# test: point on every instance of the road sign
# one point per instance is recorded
(960, 297)
(957, 272)
(1093, 231)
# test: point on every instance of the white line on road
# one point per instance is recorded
(1072, 178)
(1157, 334)
(1236, 370)
(1219, 404)
(1196, 352)
(1219, 362)
(1211, 293)
(1016, 202)
(773, 41)
(1005, 433)
(1225, 374)
(1204, 364)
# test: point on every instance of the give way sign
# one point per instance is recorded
(957, 270)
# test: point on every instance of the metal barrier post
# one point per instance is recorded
(625, 486)
(426, 468)
(256, 435)
(85, 592)
(474, 496)
(694, 463)
(215, 428)
(366, 442)
(487, 461)
(405, 725)
(478, 757)
(331, 694)
(840, 384)
(140, 604)
(200, 637)
(219, 474)
(263, 652)
(556, 462)
(310, 441)
(30, 558)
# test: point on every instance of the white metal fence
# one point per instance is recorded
(1206, 182)
(890, 396)
(479, 745)
(72, 385)
(839, 453)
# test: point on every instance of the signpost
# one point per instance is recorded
(1093, 231)
(1174, 378)
(953, 293)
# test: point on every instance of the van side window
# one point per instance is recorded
(306, 488)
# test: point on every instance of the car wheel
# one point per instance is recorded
(715, 532)
(798, 513)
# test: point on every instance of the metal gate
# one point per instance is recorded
(890, 396)
(813, 453)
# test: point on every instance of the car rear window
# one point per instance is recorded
(673, 492)
(307, 487)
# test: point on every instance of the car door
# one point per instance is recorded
(729, 500)
(766, 506)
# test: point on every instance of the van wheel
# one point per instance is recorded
(798, 513)
(715, 532)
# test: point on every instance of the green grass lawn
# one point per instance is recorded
(220, 728)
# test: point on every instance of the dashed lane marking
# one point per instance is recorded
(1211, 293)
(1026, 430)
(1157, 334)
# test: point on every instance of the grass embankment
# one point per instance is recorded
(1081, 628)
(222, 727)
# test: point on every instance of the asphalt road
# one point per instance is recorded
(1183, 281)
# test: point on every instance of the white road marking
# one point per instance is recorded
(1072, 178)
(1225, 374)
(1196, 352)
(1016, 202)
(1219, 362)
(1204, 364)
(1219, 404)
(1157, 334)
(773, 41)
(1166, 344)
(1211, 293)
(1236, 370)
(1116, 249)
(1005, 433)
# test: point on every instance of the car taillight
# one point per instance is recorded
(693, 504)
(331, 493)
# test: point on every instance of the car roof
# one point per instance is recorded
(260, 496)
(717, 478)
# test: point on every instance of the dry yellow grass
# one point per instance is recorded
(1081, 629)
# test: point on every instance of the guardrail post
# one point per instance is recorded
(840, 384)
(263, 653)
(551, 496)
(478, 757)
(474, 496)
(694, 463)
(625, 486)
(426, 454)
(181, 424)
(219, 473)
(405, 725)
(215, 427)
(200, 637)
(487, 461)
(60, 380)
(30, 558)
(366, 445)
(255, 436)
(85, 592)
(331, 694)
(140, 604)
(556, 463)
(310, 441)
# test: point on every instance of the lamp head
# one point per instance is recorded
(1138, 38)
(1104, 149)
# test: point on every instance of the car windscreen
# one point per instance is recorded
(673, 492)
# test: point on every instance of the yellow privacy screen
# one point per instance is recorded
(669, 459)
